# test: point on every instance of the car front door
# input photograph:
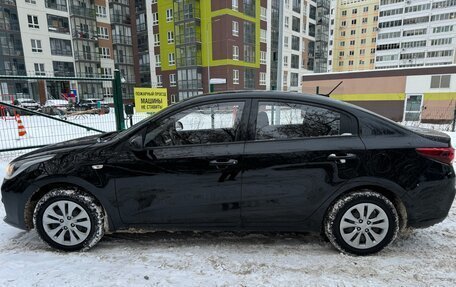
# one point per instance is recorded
(188, 171)
(297, 155)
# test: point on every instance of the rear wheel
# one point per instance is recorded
(362, 223)
(69, 220)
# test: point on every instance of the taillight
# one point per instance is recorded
(444, 154)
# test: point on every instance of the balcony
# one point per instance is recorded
(53, 5)
(87, 56)
(123, 60)
(10, 26)
(121, 40)
(121, 19)
(8, 2)
(188, 38)
(85, 35)
(185, 14)
(82, 12)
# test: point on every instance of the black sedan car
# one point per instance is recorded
(251, 161)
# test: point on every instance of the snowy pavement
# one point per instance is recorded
(420, 258)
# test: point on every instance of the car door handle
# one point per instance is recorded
(333, 156)
(223, 163)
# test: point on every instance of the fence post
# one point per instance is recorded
(118, 102)
(454, 120)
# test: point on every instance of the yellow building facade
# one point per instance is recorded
(354, 35)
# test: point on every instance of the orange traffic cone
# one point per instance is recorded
(20, 126)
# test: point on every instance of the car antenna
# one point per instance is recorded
(328, 94)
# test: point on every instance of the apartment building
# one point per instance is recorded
(11, 53)
(353, 36)
(202, 46)
(298, 32)
(73, 38)
(416, 33)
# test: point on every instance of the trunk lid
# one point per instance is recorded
(432, 134)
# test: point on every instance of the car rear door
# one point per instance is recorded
(188, 172)
(297, 155)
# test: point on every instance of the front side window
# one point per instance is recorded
(276, 120)
(206, 124)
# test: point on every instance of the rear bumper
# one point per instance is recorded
(430, 203)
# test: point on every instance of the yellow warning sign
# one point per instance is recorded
(150, 100)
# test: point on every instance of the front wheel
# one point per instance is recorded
(69, 220)
(362, 223)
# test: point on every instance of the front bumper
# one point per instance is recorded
(15, 205)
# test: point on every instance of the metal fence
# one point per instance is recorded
(24, 126)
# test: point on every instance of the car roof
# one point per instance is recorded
(273, 95)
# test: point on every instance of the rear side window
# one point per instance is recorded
(276, 120)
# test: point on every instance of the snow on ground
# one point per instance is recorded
(419, 258)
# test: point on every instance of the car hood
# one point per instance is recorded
(62, 147)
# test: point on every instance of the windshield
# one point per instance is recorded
(140, 123)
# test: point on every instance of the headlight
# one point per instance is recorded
(9, 170)
(13, 169)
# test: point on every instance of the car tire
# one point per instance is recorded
(362, 223)
(69, 220)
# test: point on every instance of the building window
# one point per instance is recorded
(106, 73)
(157, 61)
(263, 57)
(352, 53)
(363, 41)
(296, 24)
(171, 59)
(362, 51)
(354, 11)
(249, 78)
(30, 1)
(39, 70)
(352, 42)
(170, 37)
(235, 53)
(235, 28)
(294, 79)
(350, 63)
(263, 13)
(354, 22)
(172, 80)
(285, 41)
(440, 82)
(363, 31)
(235, 5)
(60, 47)
(344, 13)
(169, 15)
(101, 11)
(262, 79)
(105, 53)
(156, 40)
(36, 46)
(364, 20)
(366, 9)
(236, 77)
(263, 35)
(33, 21)
(154, 18)
(159, 81)
(287, 21)
(102, 33)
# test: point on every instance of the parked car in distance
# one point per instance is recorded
(24, 103)
(55, 107)
(251, 161)
(90, 104)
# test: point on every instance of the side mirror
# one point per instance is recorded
(136, 143)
